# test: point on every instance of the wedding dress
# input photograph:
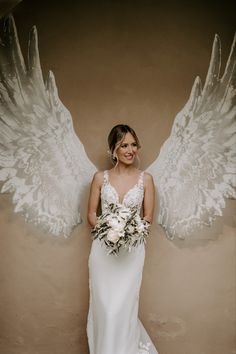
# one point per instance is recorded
(113, 326)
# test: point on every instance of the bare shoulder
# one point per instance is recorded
(148, 177)
(98, 178)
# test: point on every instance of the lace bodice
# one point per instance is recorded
(132, 198)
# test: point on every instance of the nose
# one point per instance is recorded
(129, 149)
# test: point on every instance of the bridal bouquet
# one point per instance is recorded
(120, 226)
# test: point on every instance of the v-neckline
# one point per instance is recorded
(117, 194)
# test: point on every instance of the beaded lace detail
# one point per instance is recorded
(132, 198)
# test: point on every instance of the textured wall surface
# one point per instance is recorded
(128, 62)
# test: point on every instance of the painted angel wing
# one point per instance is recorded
(195, 169)
(42, 161)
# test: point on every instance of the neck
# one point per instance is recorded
(124, 169)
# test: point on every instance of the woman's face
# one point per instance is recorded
(127, 149)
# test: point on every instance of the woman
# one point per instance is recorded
(113, 326)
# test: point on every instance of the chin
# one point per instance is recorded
(128, 162)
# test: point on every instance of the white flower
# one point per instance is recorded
(113, 236)
(122, 227)
(116, 225)
(140, 227)
(121, 233)
(130, 229)
(109, 218)
(138, 219)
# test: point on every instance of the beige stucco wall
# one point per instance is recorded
(134, 64)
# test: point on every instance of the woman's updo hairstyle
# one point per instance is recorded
(116, 135)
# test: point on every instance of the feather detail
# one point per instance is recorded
(196, 168)
(42, 161)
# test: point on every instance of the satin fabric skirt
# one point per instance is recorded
(113, 326)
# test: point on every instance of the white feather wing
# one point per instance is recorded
(196, 168)
(42, 161)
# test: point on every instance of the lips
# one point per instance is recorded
(129, 157)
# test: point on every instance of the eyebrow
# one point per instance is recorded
(133, 142)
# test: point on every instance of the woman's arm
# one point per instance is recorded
(149, 197)
(94, 197)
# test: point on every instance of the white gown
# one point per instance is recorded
(113, 326)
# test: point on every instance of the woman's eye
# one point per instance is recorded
(125, 145)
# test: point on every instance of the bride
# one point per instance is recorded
(45, 167)
(113, 326)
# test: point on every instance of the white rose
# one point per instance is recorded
(116, 225)
(113, 236)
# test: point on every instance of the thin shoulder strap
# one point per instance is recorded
(105, 177)
(141, 180)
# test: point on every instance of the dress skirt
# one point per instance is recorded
(113, 326)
